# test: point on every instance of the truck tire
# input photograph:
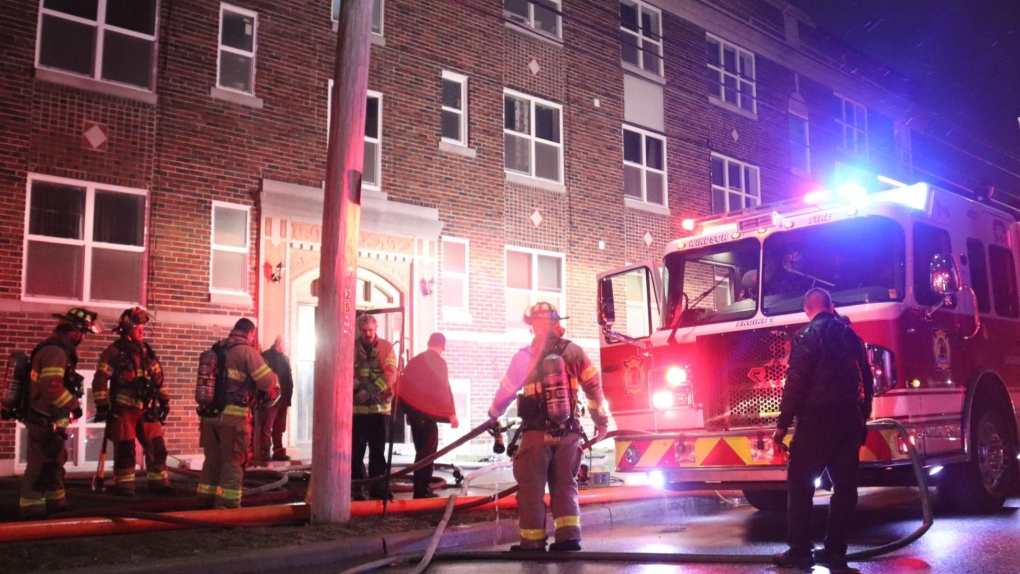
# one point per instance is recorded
(983, 483)
(766, 500)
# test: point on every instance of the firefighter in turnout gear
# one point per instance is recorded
(133, 402)
(375, 374)
(549, 373)
(225, 438)
(54, 398)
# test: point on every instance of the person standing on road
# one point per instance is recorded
(133, 402)
(225, 438)
(273, 419)
(828, 390)
(53, 400)
(375, 374)
(550, 448)
(424, 393)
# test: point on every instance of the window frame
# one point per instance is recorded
(220, 48)
(851, 128)
(464, 277)
(529, 21)
(246, 250)
(87, 243)
(533, 103)
(726, 190)
(377, 141)
(718, 96)
(644, 169)
(534, 293)
(462, 80)
(641, 39)
(378, 15)
(806, 156)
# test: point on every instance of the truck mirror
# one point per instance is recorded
(606, 306)
(945, 275)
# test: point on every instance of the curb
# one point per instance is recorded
(454, 538)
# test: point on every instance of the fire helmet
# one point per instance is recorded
(542, 311)
(131, 317)
(81, 319)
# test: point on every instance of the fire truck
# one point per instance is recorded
(694, 348)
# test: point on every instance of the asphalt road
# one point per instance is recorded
(985, 544)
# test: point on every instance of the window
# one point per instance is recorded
(230, 243)
(109, 40)
(372, 176)
(85, 242)
(978, 273)
(734, 185)
(237, 49)
(455, 275)
(800, 145)
(542, 15)
(532, 276)
(644, 166)
(852, 118)
(532, 141)
(731, 75)
(1004, 288)
(377, 15)
(641, 35)
(928, 242)
(454, 114)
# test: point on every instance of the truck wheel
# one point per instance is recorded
(766, 500)
(983, 483)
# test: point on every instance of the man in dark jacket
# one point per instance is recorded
(425, 396)
(273, 420)
(828, 390)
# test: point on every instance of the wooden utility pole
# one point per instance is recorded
(341, 224)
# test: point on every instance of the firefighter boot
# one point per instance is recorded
(566, 546)
(358, 493)
(834, 562)
(280, 454)
(799, 559)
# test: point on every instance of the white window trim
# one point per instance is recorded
(753, 80)
(378, 156)
(726, 174)
(534, 294)
(86, 243)
(533, 101)
(220, 47)
(643, 39)
(645, 134)
(458, 313)
(807, 146)
(529, 24)
(246, 250)
(101, 28)
(462, 112)
(858, 148)
(382, 20)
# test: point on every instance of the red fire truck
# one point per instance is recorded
(694, 348)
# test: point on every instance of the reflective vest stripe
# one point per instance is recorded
(371, 409)
(105, 369)
(52, 372)
(381, 384)
(126, 401)
(261, 372)
(237, 410)
(100, 396)
(63, 400)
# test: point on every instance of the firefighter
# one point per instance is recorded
(550, 445)
(375, 373)
(226, 437)
(54, 396)
(828, 389)
(133, 402)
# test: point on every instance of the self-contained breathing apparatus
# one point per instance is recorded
(552, 407)
(16, 385)
(211, 385)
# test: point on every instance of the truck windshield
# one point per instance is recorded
(712, 284)
(857, 260)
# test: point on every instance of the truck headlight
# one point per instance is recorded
(663, 400)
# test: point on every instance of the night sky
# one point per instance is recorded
(962, 56)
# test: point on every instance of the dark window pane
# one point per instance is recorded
(57, 211)
(516, 115)
(632, 181)
(235, 72)
(116, 275)
(547, 123)
(632, 147)
(451, 125)
(629, 51)
(519, 7)
(67, 45)
(518, 270)
(713, 53)
(628, 16)
(734, 176)
(547, 161)
(119, 218)
(653, 152)
(54, 270)
(1004, 288)
(451, 94)
(372, 118)
(81, 8)
(371, 164)
(928, 241)
(718, 172)
(655, 189)
(978, 273)
(127, 59)
(517, 153)
(545, 18)
(238, 31)
(136, 15)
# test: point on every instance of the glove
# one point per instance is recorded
(778, 437)
(600, 433)
(102, 413)
(164, 410)
(76, 413)
(360, 397)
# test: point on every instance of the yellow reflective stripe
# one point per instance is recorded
(105, 369)
(573, 383)
(371, 409)
(565, 521)
(208, 489)
(56, 494)
(62, 423)
(52, 372)
(589, 373)
(388, 362)
(235, 410)
(230, 493)
(128, 401)
(261, 372)
(125, 478)
(157, 476)
(533, 533)
(63, 399)
(100, 395)
(364, 372)
(30, 502)
(381, 384)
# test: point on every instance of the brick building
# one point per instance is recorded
(171, 153)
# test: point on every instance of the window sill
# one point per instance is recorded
(728, 106)
(456, 315)
(236, 98)
(529, 181)
(118, 90)
(545, 37)
(457, 148)
(230, 298)
(643, 73)
(639, 205)
(377, 39)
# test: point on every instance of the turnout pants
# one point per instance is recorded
(825, 439)
(425, 434)
(542, 458)
(129, 425)
(42, 486)
(225, 441)
(370, 432)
